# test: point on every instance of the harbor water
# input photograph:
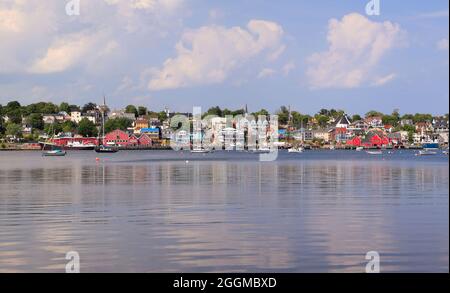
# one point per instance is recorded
(166, 211)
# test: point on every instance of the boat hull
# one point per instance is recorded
(430, 146)
(54, 154)
(106, 150)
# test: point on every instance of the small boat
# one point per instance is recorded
(200, 151)
(296, 150)
(102, 148)
(262, 150)
(54, 153)
(374, 152)
(332, 147)
(76, 145)
(426, 153)
(106, 149)
(430, 145)
(359, 149)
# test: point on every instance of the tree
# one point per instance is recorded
(283, 115)
(2, 125)
(88, 107)
(14, 129)
(422, 118)
(35, 121)
(325, 112)
(117, 123)
(407, 117)
(12, 105)
(373, 113)
(142, 111)
(214, 111)
(53, 128)
(322, 120)
(262, 112)
(87, 128)
(74, 108)
(68, 126)
(162, 116)
(14, 112)
(299, 120)
(390, 120)
(15, 116)
(64, 107)
(356, 117)
(131, 109)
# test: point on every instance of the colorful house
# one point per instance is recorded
(117, 137)
(145, 140)
(123, 139)
(152, 132)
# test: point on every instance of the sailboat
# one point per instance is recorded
(53, 152)
(104, 148)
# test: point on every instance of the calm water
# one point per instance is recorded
(149, 211)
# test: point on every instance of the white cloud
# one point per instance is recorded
(384, 79)
(266, 72)
(288, 67)
(74, 49)
(209, 54)
(11, 21)
(443, 44)
(356, 46)
(43, 39)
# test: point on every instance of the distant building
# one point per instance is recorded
(359, 125)
(406, 122)
(152, 132)
(75, 116)
(140, 123)
(322, 134)
(440, 124)
(343, 122)
(389, 128)
(375, 121)
(123, 139)
(121, 114)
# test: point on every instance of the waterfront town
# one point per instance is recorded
(22, 127)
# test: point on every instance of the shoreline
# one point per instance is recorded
(344, 148)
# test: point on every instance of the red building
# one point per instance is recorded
(65, 141)
(117, 137)
(121, 138)
(371, 139)
(145, 140)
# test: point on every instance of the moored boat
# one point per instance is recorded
(426, 153)
(106, 149)
(296, 150)
(374, 152)
(359, 149)
(80, 146)
(430, 145)
(54, 153)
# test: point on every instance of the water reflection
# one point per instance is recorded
(293, 215)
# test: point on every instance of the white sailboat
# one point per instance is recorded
(296, 150)
(374, 152)
(53, 152)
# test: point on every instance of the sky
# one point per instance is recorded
(183, 53)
